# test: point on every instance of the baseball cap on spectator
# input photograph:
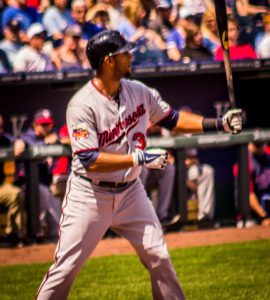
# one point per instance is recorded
(35, 29)
(74, 30)
(63, 132)
(191, 152)
(184, 13)
(164, 4)
(13, 25)
(43, 116)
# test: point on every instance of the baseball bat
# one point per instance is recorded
(222, 23)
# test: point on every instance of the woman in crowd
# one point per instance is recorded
(71, 54)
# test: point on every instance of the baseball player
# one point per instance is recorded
(107, 121)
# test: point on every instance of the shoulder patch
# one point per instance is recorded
(80, 132)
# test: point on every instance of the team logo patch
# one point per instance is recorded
(80, 132)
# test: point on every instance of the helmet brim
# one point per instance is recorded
(129, 47)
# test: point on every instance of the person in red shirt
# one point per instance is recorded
(237, 51)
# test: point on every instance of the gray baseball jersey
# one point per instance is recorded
(97, 122)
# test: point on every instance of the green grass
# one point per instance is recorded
(230, 271)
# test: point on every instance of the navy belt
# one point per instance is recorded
(109, 184)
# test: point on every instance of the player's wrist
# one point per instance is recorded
(212, 124)
(138, 158)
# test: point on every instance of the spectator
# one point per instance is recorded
(41, 133)
(237, 51)
(210, 31)
(11, 196)
(101, 19)
(129, 23)
(113, 10)
(31, 58)
(249, 15)
(150, 46)
(263, 40)
(62, 167)
(176, 40)
(164, 22)
(201, 184)
(163, 180)
(12, 41)
(196, 9)
(259, 197)
(18, 10)
(56, 19)
(71, 55)
(78, 13)
(194, 49)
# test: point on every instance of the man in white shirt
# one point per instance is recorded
(30, 58)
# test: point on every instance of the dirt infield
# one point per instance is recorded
(115, 246)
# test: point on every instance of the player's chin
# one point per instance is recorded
(128, 73)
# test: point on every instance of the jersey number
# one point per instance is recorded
(141, 142)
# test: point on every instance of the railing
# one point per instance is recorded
(165, 69)
(35, 153)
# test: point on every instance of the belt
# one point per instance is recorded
(109, 184)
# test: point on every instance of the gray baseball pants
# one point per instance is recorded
(88, 211)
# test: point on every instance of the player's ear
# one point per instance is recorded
(108, 60)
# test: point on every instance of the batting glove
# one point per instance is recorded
(152, 158)
(232, 121)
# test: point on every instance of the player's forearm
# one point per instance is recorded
(109, 162)
(188, 123)
(255, 205)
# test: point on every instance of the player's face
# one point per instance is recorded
(232, 32)
(43, 130)
(122, 66)
(198, 38)
(79, 12)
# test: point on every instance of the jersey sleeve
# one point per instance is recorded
(82, 131)
(159, 109)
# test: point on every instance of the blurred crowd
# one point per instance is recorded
(44, 35)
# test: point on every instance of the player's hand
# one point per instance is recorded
(232, 121)
(51, 138)
(19, 147)
(152, 158)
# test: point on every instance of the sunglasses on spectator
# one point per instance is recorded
(46, 124)
(75, 37)
(80, 11)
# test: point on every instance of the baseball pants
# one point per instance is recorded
(206, 192)
(50, 211)
(13, 197)
(88, 211)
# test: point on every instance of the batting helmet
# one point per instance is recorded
(106, 43)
